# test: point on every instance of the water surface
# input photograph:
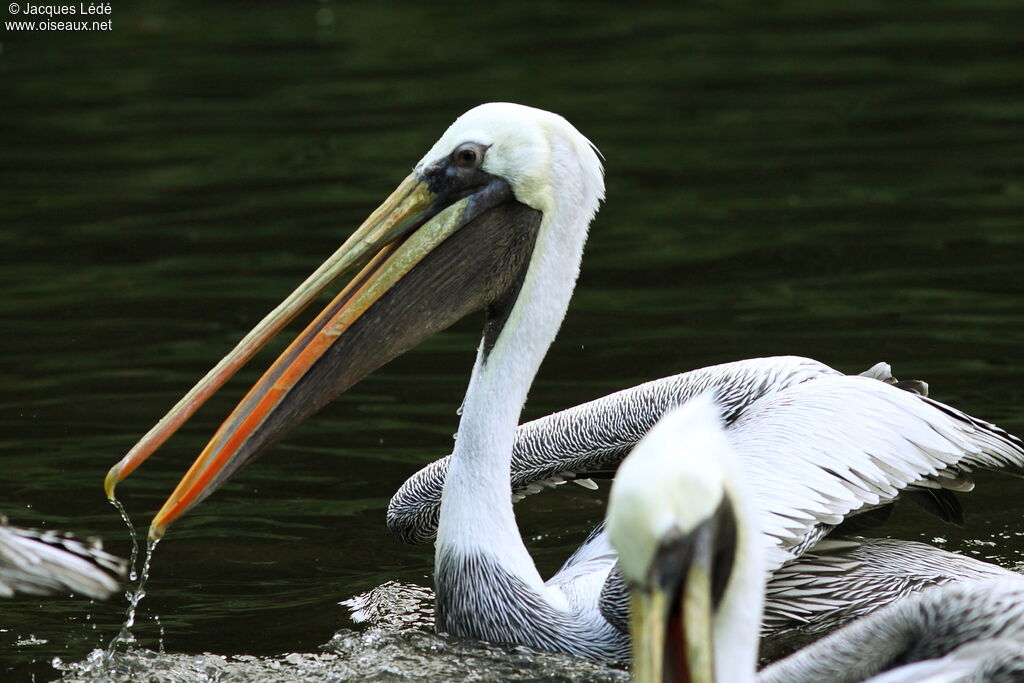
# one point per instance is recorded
(837, 181)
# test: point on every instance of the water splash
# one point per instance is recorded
(354, 656)
(393, 606)
(391, 649)
(125, 638)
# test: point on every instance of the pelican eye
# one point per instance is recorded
(469, 155)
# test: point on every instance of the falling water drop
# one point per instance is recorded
(156, 618)
(132, 574)
(125, 637)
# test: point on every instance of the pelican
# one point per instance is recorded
(816, 586)
(687, 531)
(46, 562)
(494, 217)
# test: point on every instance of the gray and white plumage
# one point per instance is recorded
(996, 660)
(963, 631)
(505, 609)
(592, 438)
(826, 449)
(840, 579)
(47, 562)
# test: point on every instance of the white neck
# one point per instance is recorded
(476, 507)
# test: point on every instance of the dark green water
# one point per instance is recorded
(838, 180)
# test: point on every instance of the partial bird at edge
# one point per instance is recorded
(34, 562)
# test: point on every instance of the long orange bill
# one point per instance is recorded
(408, 204)
(436, 250)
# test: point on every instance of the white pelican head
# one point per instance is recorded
(539, 154)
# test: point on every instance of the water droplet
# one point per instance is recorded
(132, 574)
(156, 618)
